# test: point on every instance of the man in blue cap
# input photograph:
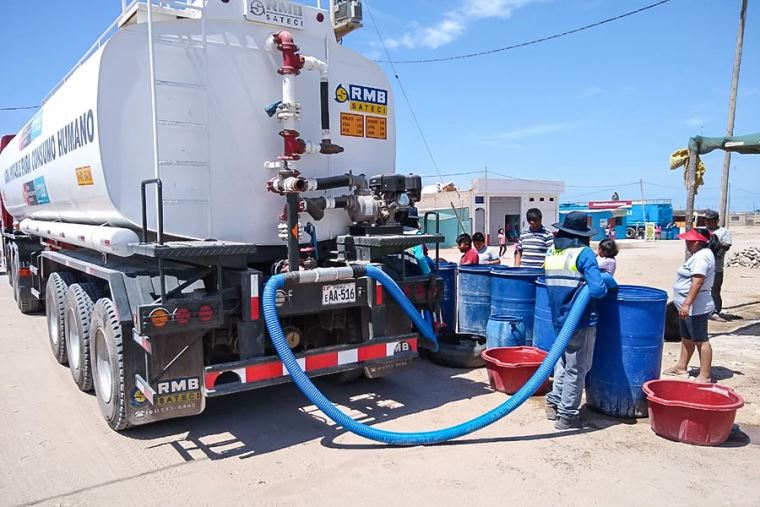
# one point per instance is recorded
(570, 264)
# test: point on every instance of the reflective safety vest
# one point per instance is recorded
(562, 280)
(560, 267)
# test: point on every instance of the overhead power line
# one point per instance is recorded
(535, 41)
(20, 108)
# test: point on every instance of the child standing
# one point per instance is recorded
(606, 253)
(469, 255)
(502, 242)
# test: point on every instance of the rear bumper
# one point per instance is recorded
(378, 356)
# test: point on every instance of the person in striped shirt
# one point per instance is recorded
(531, 248)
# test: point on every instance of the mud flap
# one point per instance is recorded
(178, 392)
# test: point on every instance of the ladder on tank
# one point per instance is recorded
(180, 119)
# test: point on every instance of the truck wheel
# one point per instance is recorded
(630, 233)
(55, 295)
(106, 353)
(76, 328)
(9, 267)
(24, 305)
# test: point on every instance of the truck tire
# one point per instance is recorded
(107, 356)
(55, 295)
(76, 328)
(460, 351)
(25, 305)
(9, 267)
(630, 233)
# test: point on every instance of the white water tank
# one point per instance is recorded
(82, 157)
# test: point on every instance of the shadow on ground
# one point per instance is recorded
(266, 420)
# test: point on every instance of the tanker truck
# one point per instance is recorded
(195, 151)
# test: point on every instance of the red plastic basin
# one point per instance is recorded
(700, 414)
(510, 367)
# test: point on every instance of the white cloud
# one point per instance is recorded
(590, 91)
(531, 131)
(455, 22)
(695, 121)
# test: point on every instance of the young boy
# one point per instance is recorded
(485, 255)
(469, 255)
(569, 264)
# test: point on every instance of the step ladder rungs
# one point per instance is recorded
(179, 84)
(188, 163)
(179, 123)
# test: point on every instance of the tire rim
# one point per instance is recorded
(103, 362)
(73, 340)
(52, 318)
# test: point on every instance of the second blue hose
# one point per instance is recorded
(305, 384)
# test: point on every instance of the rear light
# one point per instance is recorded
(182, 316)
(205, 313)
(22, 272)
(159, 317)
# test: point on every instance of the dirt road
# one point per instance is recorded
(271, 447)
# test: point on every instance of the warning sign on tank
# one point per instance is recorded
(376, 127)
(84, 176)
(352, 125)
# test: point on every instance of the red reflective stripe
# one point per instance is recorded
(263, 371)
(254, 308)
(372, 352)
(321, 361)
(412, 344)
(211, 379)
(378, 294)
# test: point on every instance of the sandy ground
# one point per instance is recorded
(271, 447)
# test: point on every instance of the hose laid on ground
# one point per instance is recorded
(413, 438)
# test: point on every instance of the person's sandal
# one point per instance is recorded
(672, 371)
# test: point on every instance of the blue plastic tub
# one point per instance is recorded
(448, 272)
(543, 327)
(513, 292)
(505, 331)
(474, 307)
(628, 350)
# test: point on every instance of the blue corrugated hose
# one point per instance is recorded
(414, 438)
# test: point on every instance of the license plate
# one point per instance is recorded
(339, 294)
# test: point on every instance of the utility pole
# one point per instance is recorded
(487, 221)
(643, 203)
(732, 113)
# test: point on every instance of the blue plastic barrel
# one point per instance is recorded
(505, 331)
(543, 326)
(628, 350)
(474, 307)
(513, 292)
(448, 272)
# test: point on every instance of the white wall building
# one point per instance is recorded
(494, 202)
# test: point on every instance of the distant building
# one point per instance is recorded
(491, 204)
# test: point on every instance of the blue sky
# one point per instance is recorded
(601, 108)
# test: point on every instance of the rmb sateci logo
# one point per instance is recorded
(275, 12)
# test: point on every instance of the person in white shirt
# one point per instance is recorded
(691, 296)
(485, 254)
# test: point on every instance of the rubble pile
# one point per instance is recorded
(748, 258)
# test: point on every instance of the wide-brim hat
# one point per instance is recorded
(693, 235)
(576, 223)
(711, 215)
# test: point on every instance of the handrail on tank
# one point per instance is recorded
(159, 207)
(112, 28)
